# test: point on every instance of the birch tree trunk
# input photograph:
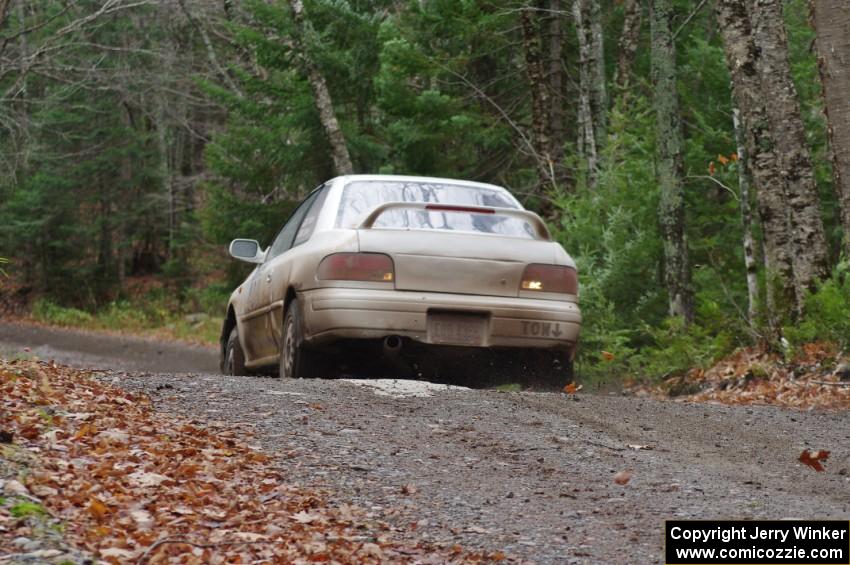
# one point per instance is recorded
(669, 147)
(832, 24)
(628, 43)
(593, 93)
(586, 139)
(809, 252)
(746, 220)
(733, 18)
(321, 94)
(598, 88)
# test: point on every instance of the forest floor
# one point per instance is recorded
(543, 477)
(817, 376)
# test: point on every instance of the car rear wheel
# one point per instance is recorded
(234, 360)
(296, 360)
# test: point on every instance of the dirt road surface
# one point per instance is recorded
(527, 473)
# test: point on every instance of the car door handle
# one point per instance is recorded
(268, 278)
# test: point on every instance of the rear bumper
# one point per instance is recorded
(345, 313)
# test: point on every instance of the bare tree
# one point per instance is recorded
(832, 23)
(670, 167)
(210, 49)
(746, 220)
(321, 94)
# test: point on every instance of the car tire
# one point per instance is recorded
(296, 360)
(234, 357)
(549, 369)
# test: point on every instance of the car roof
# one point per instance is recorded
(409, 178)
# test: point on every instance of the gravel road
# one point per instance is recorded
(528, 473)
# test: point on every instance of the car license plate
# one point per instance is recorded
(457, 329)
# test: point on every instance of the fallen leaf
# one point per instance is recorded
(208, 512)
(15, 487)
(372, 549)
(118, 553)
(97, 509)
(85, 430)
(44, 491)
(623, 477)
(250, 536)
(813, 459)
(114, 436)
(142, 479)
(305, 517)
(44, 553)
(143, 518)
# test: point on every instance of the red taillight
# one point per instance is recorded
(550, 278)
(374, 267)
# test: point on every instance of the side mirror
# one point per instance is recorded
(247, 250)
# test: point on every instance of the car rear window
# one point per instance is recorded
(361, 197)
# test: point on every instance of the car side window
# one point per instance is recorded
(285, 238)
(309, 222)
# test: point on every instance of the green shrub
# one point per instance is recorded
(674, 349)
(211, 299)
(158, 312)
(26, 509)
(46, 311)
(827, 312)
(122, 315)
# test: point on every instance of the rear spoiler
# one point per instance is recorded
(536, 221)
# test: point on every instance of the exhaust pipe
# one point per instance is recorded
(392, 353)
(392, 346)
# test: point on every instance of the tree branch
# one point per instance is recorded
(689, 18)
(717, 182)
(213, 58)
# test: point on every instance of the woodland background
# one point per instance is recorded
(692, 155)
